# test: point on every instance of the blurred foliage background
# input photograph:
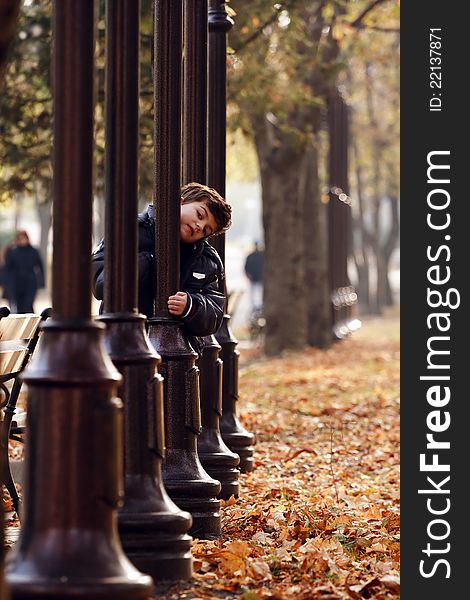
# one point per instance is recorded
(284, 62)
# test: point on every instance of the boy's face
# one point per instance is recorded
(197, 222)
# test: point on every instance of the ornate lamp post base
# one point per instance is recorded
(186, 481)
(153, 529)
(216, 458)
(157, 542)
(237, 438)
(69, 546)
(193, 490)
(69, 589)
(220, 463)
(240, 441)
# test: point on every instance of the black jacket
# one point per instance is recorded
(201, 273)
(24, 271)
(254, 265)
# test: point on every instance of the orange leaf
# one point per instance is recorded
(297, 452)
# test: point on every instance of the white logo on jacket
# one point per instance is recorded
(199, 275)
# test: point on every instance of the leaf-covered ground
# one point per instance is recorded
(319, 516)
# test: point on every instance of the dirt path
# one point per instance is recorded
(319, 516)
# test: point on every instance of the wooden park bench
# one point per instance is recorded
(19, 334)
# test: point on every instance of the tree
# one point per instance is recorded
(26, 113)
(26, 109)
(8, 18)
(287, 56)
(372, 85)
(275, 68)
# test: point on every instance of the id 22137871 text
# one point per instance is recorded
(435, 69)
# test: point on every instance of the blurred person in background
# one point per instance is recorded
(23, 274)
(254, 272)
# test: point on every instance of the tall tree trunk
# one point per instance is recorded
(44, 212)
(388, 247)
(317, 283)
(383, 252)
(388, 293)
(360, 250)
(377, 300)
(9, 10)
(382, 277)
(18, 204)
(283, 217)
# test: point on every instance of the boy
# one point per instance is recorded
(199, 304)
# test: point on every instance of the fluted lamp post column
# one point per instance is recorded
(189, 486)
(153, 529)
(237, 438)
(69, 545)
(216, 458)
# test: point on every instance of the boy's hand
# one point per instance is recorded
(177, 303)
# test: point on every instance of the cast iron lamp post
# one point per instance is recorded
(152, 528)
(237, 438)
(218, 461)
(187, 483)
(69, 545)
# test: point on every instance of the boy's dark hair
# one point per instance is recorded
(222, 211)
